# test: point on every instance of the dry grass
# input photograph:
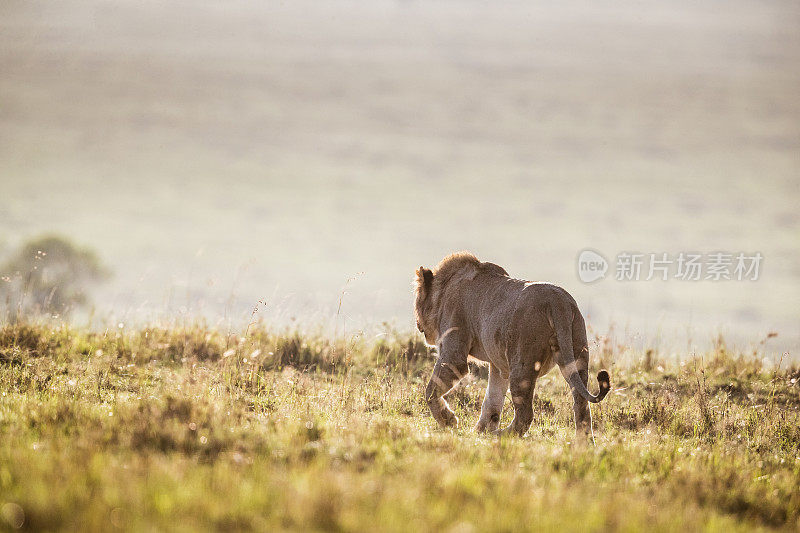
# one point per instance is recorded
(184, 429)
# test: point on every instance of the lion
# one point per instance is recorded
(473, 309)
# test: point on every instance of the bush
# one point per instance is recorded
(49, 275)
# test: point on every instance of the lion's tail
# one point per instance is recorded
(566, 359)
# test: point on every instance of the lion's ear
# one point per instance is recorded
(424, 279)
(427, 276)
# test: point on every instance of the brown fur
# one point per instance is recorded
(472, 309)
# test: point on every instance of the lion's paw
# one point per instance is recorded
(449, 420)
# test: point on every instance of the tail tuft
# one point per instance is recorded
(604, 380)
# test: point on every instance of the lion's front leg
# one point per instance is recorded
(492, 406)
(450, 368)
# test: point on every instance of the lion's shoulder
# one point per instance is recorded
(492, 268)
(463, 266)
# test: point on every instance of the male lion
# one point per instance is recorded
(521, 328)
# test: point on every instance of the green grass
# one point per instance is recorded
(187, 428)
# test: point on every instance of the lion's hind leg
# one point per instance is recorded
(523, 383)
(583, 417)
(492, 406)
(580, 406)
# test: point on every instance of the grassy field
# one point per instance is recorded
(189, 428)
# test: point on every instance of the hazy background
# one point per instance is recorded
(217, 154)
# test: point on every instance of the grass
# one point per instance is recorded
(190, 428)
